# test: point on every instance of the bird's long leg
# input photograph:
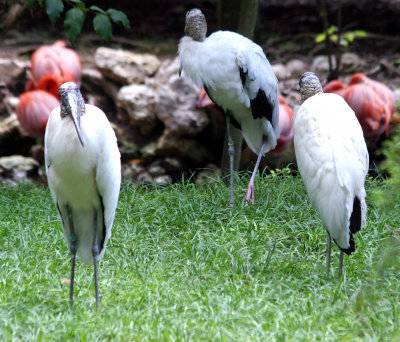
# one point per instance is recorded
(73, 246)
(231, 151)
(250, 187)
(95, 253)
(340, 264)
(328, 254)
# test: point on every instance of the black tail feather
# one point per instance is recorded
(355, 218)
(352, 247)
(355, 225)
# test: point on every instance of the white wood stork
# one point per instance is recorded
(238, 78)
(332, 158)
(83, 169)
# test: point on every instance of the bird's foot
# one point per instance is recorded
(249, 194)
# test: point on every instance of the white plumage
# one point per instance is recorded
(238, 78)
(333, 161)
(84, 174)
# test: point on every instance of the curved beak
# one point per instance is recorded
(72, 104)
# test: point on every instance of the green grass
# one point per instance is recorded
(183, 266)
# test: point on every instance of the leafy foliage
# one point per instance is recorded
(345, 39)
(74, 18)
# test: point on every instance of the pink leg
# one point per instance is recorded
(250, 187)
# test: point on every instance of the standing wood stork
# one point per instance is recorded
(238, 78)
(333, 161)
(83, 169)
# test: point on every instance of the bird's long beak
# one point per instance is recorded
(75, 109)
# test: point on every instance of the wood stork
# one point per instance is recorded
(33, 111)
(332, 158)
(83, 169)
(238, 78)
(372, 101)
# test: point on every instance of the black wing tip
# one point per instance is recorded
(352, 247)
(355, 218)
(262, 106)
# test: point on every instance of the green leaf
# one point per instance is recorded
(344, 42)
(320, 37)
(97, 9)
(360, 33)
(349, 36)
(53, 9)
(332, 29)
(73, 22)
(334, 38)
(119, 17)
(81, 5)
(102, 26)
(30, 2)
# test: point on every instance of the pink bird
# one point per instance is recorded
(285, 121)
(33, 111)
(372, 102)
(56, 60)
(286, 125)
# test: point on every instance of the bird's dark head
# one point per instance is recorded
(196, 25)
(309, 85)
(72, 105)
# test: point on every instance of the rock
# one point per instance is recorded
(169, 68)
(139, 102)
(296, 67)
(16, 168)
(156, 170)
(321, 64)
(13, 140)
(94, 83)
(11, 69)
(176, 107)
(132, 169)
(143, 178)
(149, 151)
(172, 165)
(208, 174)
(162, 180)
(280, 71)
(125, 67)
(350, 62)
(170, 145)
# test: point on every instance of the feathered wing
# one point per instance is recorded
(333, 160)
(108, 174)
(259, 82)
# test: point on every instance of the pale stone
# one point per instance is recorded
(176, 107)
(280, 71)
(11, 69)
(125, 67)
(296, 67)
(139, 102)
